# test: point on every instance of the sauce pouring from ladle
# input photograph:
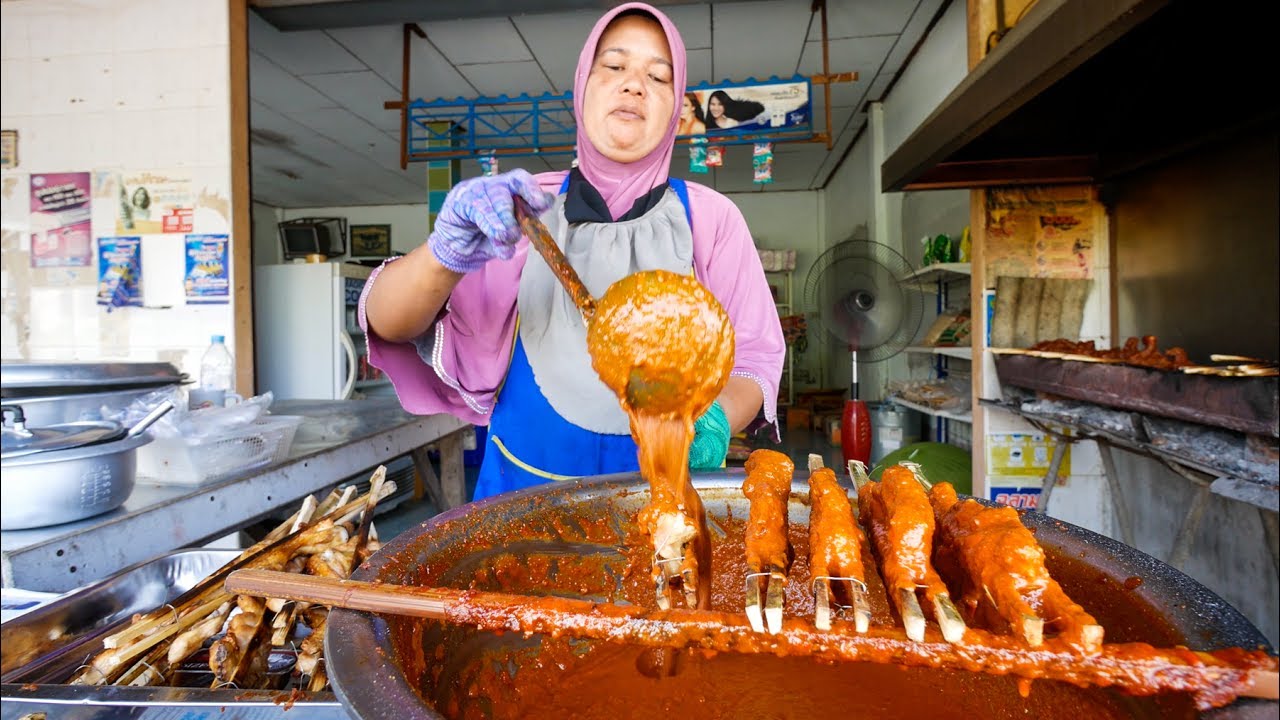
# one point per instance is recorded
(664, 345)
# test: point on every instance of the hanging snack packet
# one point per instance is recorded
(698, 156)
(762, 163)
(715, 156)
(489, 164)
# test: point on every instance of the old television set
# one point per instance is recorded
(313, 236)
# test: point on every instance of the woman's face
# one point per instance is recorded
(716, 107)
(686, 108)
(629, 97)
(141, 198)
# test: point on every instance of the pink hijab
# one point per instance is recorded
(620, 184)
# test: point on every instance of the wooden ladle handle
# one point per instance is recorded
(547, 248)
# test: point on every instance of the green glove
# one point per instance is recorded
(710, 439)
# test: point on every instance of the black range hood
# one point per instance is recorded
(1088, 90)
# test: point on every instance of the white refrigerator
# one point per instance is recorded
(307, 339)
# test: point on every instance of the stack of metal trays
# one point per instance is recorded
(45, 647)
(53, 393)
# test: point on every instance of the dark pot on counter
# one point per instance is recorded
(541, 539)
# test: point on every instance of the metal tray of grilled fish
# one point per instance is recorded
(42, 648)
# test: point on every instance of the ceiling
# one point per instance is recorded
(320, 136)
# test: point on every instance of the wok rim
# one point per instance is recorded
(358, 648)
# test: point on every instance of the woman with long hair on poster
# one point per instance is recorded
(692, 121)
(724, 112)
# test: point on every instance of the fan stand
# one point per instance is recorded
(855, 422)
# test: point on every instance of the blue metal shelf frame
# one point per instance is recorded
(544, 125)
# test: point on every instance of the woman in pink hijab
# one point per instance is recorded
(474, 324)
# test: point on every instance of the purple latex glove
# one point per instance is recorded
(478, 222)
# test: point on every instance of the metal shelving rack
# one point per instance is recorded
(785, 305)
(938, 278)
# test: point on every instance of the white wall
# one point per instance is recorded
(850, 197)
(126, 85)
(790, 221)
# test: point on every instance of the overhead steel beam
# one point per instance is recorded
(287, 15)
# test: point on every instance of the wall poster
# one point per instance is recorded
(208, 278)
(61, 230)
(154, 202)
(732, 109)
(120, 272)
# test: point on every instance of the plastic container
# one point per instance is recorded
(217, 366)
(195, 461)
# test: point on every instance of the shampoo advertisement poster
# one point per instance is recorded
(207, 278)
(744, 109)
(61, 232)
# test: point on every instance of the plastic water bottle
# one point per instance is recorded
(218, 367)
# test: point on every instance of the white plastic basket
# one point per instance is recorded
(177, 461)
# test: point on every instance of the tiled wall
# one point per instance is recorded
(126, 85)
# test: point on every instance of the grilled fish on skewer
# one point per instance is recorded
(899, 519)
(1002, 569)
(769, 552)
(835, 549)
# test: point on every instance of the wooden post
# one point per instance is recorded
(241, 205)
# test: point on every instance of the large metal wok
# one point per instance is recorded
(566, 538)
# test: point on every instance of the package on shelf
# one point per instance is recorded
(777, 260)
(950, 394)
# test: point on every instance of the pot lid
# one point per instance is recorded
(18, 440)
(25, 375)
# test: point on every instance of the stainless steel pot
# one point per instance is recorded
(60, 486)
(47, 485)
(385, 667)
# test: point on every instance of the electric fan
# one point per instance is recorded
(858, 290)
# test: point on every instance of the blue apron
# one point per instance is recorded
(529, 443)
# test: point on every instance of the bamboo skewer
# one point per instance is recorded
(144, 652)
(1215, 679)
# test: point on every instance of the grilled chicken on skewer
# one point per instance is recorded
(835, 550)
(1002, 568)
(769, 552)
(897, 515)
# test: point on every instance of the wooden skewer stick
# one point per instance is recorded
(1215, 679)
(948, 617)
(912, 616)
(773, 602)
(752, 606)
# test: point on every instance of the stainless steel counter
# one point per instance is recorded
(337, 439)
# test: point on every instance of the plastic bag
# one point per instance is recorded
(183, 423)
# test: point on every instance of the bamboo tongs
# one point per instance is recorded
(1215, 678)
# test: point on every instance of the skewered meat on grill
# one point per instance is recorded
(835, 548)
(1145, 354)
(768, 549)
(1001, 569)
(899, 519)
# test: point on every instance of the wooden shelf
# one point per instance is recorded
(964, 353)
(960, 417)
(1084, 92)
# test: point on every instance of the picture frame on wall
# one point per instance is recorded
(370, 241)
(8, 149)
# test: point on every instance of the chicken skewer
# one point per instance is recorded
(1003, 570)
(835, 549)
(899, 519)
(769, 551)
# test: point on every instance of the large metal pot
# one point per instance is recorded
(52, 393)
(61, 473)
(387, 667)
